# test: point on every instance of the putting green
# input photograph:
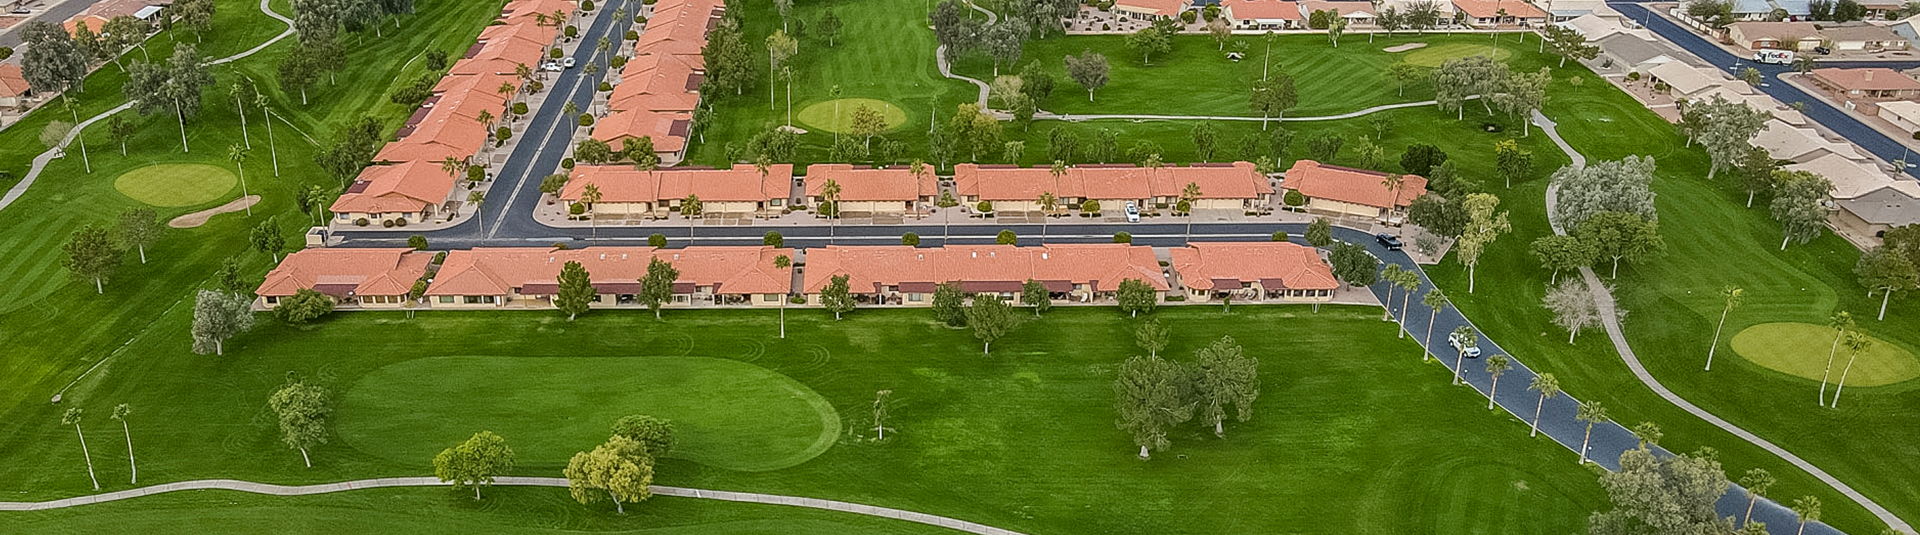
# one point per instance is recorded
(726, 413)
(820, 115)
(1801, 349)
(1434, 55)
(175, 184)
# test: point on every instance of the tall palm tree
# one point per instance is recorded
(1732, 295)
(1857, 342)
(1497, 365)
(569, 108)
(239, 105)
(1549, 388)
(1468, 339)
(1756, 482)
(1807, 509)
(476, 198)
(786, 74)
(1590, 412)
(1391, 275)
(918, 169)
(1647, 433)
(590, 194)
(1191, 196)
(1434, 300)
(830, 195)
(72, 417)
(453, 167)
(691, 207)
(120, 413)
(1047, 203)
(1409, 281)
(238, 155)
(782, 262)
(260, 101)
(834, 93)
(1841, 322)
(1393, 182)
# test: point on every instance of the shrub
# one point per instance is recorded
(586, 119)
(556, 53)
(519, 108)
(503, 133)
(1006, 237)
(439, 258)
(910, 239)
(605, 87)
(1122, 237)
(657, 240)
(985, 207)
(476, 173)
(1188, 16)
(586, 5)
(946, 200)
(634, 35)
(1279, 235)
(535, 86)
(576, 208)
(1295, 199)
(387, 223)
(773, 238)
(417, 242)
(617, 61)
(1183, 207)
(303, 306)
(419, 289)
(1104, 26)
(798, 299)
(561, 246)
(639, 19)
(399, 221)
(361, 222)
(647, 2)
(1211, 12)
(566, 162)
(1633, 76)
(572, 32)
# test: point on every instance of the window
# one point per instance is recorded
(769, 297)
(446, 299)
(479, 299)
(779, 202)
(272, 300)
(916, 297)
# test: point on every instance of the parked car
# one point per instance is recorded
(567, 63)
(551, 66)
(1455, 341)
(1821, 50)
(1133, 213)
(1391, 242)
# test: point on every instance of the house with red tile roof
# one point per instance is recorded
(368, 278)
(891, 191)
(528, 277)
(412, 192)
(1347, 191)
(527, 11)
(1224, 186)
(656, 92)
(1252, 272)
(1356, 13)
(625, 192)
(1263, 14)
(14, 91)
(1865, 86)
(905, 275)
(1496, 13)
(1149, 10)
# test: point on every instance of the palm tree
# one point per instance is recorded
(692, 208)
(453, 167)
(1857, 342)
(1497, 365)
(590, 194)
(120, 413)
(833, 93)
(918, 169)
(1807, 509)
(260, 101)
(1191, 196)
(1731, 294)
(782, 262)
(786, 73)
(476, 198)
(1467, 339)
(238, 155)
(830, 198)
(72, 417)
(1409, 281)
(1047, 203)
(239, 105)
(1756, 481)
(1841, 322)
(1647, 433)
(1434, 300)
(1549, 388)
(486, 118)
(569, 108)
(1590, 412)
(1393, 183)
(1392, 277)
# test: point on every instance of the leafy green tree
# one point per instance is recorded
(1886, 273)
(218, 316)
(72, 417)
(1354, 265)
(267, 238)
(1756, 481)
(1034, 294)
(655, 435)
(417, 242)
(1497, 365)
(1151, 396)
(1225, 376)
(1440, 216)
(90, 254)
(1549, 388)
(990, 318)
(139, 228)
(656, 288)
(1325, 146)
(1419, 159)
(1568, 43)
(1402, 73)
(828, 27)
(837, 297)
(1757, 173)
(773, 238)
(576, 291)
(1136, 296)
(1797, 206)
(619, 470)
(1654, 495)
(230, 279)
(1320, 232)
(1573, 306)
(1561, 253)
(475, 462)
(1621, 236)
(303, 410)
(1147, 42)
(1483, 226)
(1590, 412)
(174, 86)
(1273, 96)
(1727, 131)
(949, 305)
(1152, 336)
(303, 306)
(1511, 161)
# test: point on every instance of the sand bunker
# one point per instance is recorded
(1404, 48)
(200, 218)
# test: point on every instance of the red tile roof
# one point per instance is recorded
(656, 83)
(1166, 8)
(1263, 9)
(406, 187)
(1487, 9)
(644, 123)
(498, 271)
(1356, 186)
(624, 184)
(1235, 181)
(521, 11)
(1867, 79)
(982, 267)
(1275, 264)
(361, 271)
(13, 82)
(890, 184)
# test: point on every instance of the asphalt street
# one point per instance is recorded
(55, 14)
(1816, 109)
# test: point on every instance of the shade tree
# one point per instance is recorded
(619, 470)
(655, 435)
(1620, 236)
(91, 254)
(1623, 185)
(1224, 377)
(990, 319)
(474, 462)
(1483, 226)
(218, 316)
(303, 410)
(1650, 494)
(1151, 395)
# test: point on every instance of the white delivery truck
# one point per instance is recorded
(1773, 56)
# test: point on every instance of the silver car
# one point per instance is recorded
(1133, 213)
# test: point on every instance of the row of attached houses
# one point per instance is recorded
(1223, 186)
(1345, 191)
(627, 193)
(1804, 36)
(1291, 14)
(659, 88)
(528, 277)
(407, 182)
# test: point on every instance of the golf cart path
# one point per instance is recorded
(389, 482)
(946, 69)
(40, 162)
(1612, 324)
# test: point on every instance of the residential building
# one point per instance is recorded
(1263, 14)
(628, 193)
(528, 277)
(1786, 142)
(1762, 35)
(1357, 14)
(1861, 36)
(1903, 114)
(1252, 272)
(404, 193)
(365, 278)
(1856, 88)
(905, 275)
(656, 92)
(1595, 27)
(1873, 213)
(1567, 10)
(1851, 178)
(1150, 10)
(1689, 83)
(1223, 186)
(865, 191)
(14, 91)
(1498, 13)
(1631, 53)
(1346, 191)
(96, 15)
(1761, 10)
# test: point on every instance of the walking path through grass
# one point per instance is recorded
(1611, 322)
(1349, 115)
(946, 67)
(40, 162)
(387, 482)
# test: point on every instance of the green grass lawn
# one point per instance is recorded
(1801, 349)
(1349, 419)
(173, 185)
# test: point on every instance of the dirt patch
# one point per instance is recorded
(200, 218)
(1404, 48)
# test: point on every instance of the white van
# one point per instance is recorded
(1773, 56)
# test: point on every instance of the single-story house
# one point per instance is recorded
(1497, 13)
(1855, 87)
(1252, 272)
(1783, 141)
(1263, 14)
(367, 278)
(1873, 213)
(1631, 53)
(625, 192)
(865, 191)
(1862, 36)
(14, 91)
(493, 277)
(1686, 82)
(517, 11)
(1902, 113)
(1223, 186)
(1762, 35)
(1346, 191)
(905, 275)
(1850, 178)
(411, 192)
(1567, 10)
(1357, 14)
(1149, 10)
(1764, 9)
